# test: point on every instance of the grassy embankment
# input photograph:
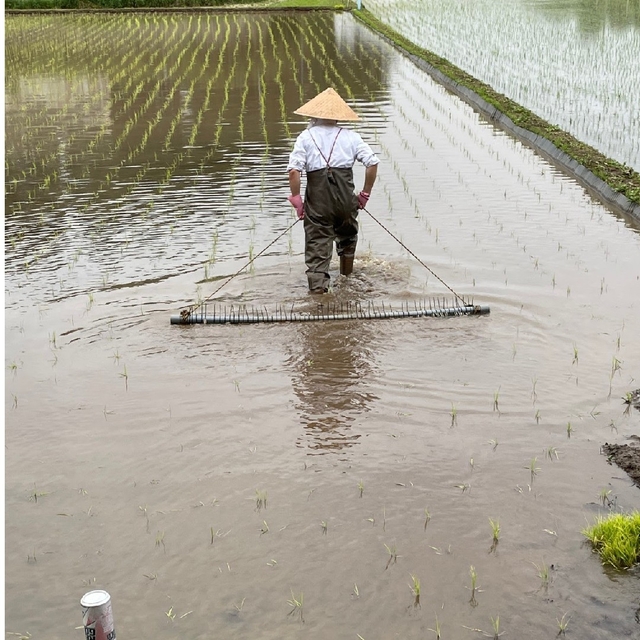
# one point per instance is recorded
(619, 177)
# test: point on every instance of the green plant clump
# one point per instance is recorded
(617, 539)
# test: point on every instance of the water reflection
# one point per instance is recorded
(128, 135)
(331, 371)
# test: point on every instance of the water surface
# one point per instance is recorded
(145, 160)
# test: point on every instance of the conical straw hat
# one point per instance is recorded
(327, 105)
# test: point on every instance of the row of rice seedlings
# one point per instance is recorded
(156, 122)
(238, 157)
(218, 118)
(107, 182)
(140, 175)
(512, 170)
(116, 76)
(118, 142)
(543, 92)
(311, 85)
(45, 118)
(284, 115)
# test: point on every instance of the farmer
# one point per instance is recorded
(327, 153)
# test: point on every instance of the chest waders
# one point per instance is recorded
(331, 214)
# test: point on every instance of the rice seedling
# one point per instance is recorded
(543, 574)
(37, 494)
(454, 415)
(125, 375)
(563, 623)
(415, 590)
(474, 588)
(575, 355)
(297, 606)
(538, 417)
(170, 614)
(616, 538)
(427, 518)
(323, 526)
(361, 487)
(495, 530)
(496, 398)
(160, 540)
(533, 469)
(463, 486)
(264, 528)
(393, 555)
(261, 500)
(551, 453)
(356, 592)
(616, 365)
(570, 429)
(437, 630)
(494, 443)
(146, 515)
(495, 623)
(604, 497)
(534, 395)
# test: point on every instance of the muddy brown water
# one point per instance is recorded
(135, 450)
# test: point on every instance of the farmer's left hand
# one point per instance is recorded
(298, 205)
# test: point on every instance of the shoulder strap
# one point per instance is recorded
(332, 146)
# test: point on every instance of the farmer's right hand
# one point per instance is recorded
(298, 205)
(363, 198)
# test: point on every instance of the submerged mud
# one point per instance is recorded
(627, 456)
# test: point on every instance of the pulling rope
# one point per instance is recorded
(185, 313)
(416, 257)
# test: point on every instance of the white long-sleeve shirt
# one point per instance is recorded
(348, 148)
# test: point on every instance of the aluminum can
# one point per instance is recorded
(97, 616)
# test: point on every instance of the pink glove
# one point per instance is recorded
(363, 198)
(297, 204)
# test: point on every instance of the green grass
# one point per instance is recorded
(617, 539)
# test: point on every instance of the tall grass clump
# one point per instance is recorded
(617, 539)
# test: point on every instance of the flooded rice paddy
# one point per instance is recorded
(572, 62)
(298, 480)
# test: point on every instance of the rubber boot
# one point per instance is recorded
(346, 264)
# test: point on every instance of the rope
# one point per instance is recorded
(185, 313)
(416, 257)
